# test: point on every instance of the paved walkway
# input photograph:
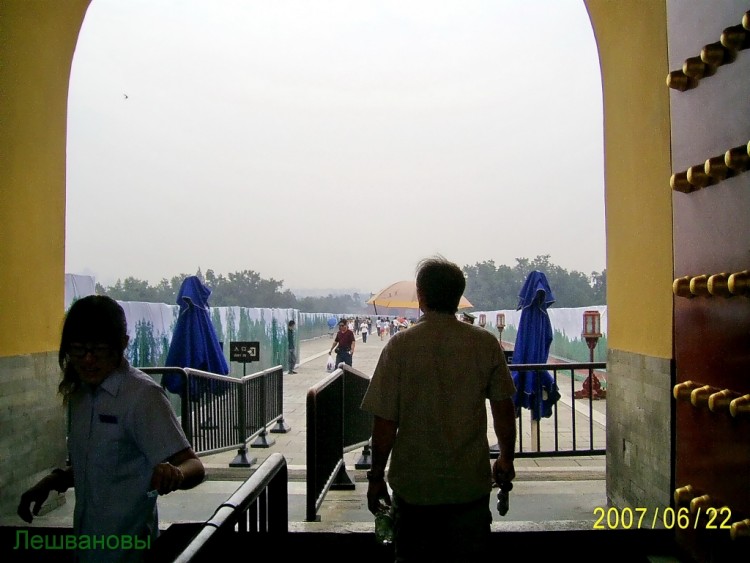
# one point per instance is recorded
(313, 358)
(555, 491)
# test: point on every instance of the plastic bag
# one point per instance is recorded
(331, 365)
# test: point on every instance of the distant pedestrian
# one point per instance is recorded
(343, 343)
(364, 328)
(292, 346)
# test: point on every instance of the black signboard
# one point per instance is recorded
(244, 352)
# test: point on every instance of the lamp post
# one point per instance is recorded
(500, 325)
(592, 387)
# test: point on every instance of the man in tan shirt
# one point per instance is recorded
(428, 396)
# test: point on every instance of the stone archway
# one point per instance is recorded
(38, 44)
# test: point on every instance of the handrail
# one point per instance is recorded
(259, 506)
(218, 376)
(184, 408)
(219, 412)
(206, 374)
(334, 423)
(538, 433)
(558, 367)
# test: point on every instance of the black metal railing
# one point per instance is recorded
(179, 401)
(582, 435)
(335, 423)
(218, 412)
(259, 506)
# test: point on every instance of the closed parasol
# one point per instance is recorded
(194, 341)
(535, 390)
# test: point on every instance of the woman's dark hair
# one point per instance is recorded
(93, 319)
(441, 284)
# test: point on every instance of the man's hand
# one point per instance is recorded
(166, 478)
(383, 437)
(377, 494)
(504, 421)
(59, 480)
(183, 470)
(36, 495)
(503, 470)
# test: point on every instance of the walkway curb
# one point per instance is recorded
(216, 472)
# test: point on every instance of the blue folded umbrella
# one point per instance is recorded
(194, 341)
(535, 390)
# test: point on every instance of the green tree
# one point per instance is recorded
(491, 287)
(497, 287)
(145, 347)
(599, 284)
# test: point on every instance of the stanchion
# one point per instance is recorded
(241, 459)
(262, 441)
(365, 460)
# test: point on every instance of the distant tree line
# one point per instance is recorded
(488, 287)
(245, 288)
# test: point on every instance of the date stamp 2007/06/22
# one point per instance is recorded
(613, 518)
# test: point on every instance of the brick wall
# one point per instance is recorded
(639, 435)
(32, 424)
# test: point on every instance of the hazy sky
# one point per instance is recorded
(332, 143)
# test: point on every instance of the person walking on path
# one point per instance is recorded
(386, 329)
(125, 445)
(292, 345)
(364, 329)
(428, 397)
(344, 344)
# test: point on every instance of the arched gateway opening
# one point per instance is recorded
(386, 131)
(632, 39)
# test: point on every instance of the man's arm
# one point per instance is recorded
(504, 421)
(184, 470)
(335, 341)
(383, 437)
(59, 480)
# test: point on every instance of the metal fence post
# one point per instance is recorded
(281, 426)
(241, 459)
(262, 441)
(365, 460)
